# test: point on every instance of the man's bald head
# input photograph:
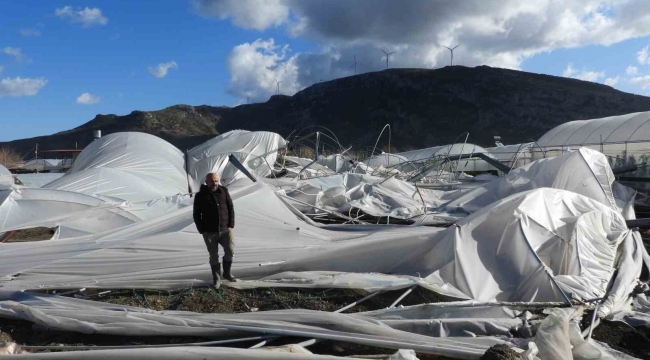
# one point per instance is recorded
(212, 180)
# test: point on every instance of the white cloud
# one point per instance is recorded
(12, 51)
(642, 81)
(249, 14)
(632, 70)
(642, 56)
(569, 71)
(87, 99)
(255, 67)
(29, 32)
(87, 17)
(161, 70)
(500, 33)
(585, 75)
(21, 86)
(612, 81)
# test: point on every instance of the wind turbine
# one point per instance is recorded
(354, 64)
(277, 87)
(387, 55)
(452, 53)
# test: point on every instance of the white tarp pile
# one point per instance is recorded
(585, 172)
(551, 232)
(117, 180)
(337, 163)
(257, 151)
(384, 161)
(305, 168)
(351, 193)
(124, 178)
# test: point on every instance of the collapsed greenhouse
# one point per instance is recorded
(531, 254)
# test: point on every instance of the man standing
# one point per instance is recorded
(214, 216)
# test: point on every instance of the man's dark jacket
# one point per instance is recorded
(213, 210)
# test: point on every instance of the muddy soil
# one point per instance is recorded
(228, 300)
(624, 338)
(33, 234)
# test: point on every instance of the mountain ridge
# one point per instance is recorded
(424, 107)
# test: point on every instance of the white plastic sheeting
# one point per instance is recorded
(345, 193)
(256, 150)
(68, 314)
(6, 179)
(550, 231)
(306, 168)
(514, 250)
(128, 166)
(584, 172)
(337, 163)
(514, 156)
(469, 260)
(38, 180)
(445, 150)
(634, 127)
(391, 161)
(27, 208)
(448, 153)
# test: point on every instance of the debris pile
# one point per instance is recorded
(535, 258)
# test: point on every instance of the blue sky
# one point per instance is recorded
(223, 52)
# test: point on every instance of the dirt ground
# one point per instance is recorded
(624, 338)
(33, 234)
(228, 300)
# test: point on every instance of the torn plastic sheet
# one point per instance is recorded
(77, 214)
(559, 338)
(512, 250)
(463, 319)
(68, 314)
(349, 193)
(337, 162)
(175, 353)
(256, 150)
(585, 172)
(470, 260)
(632, 259)
(27, 207)
(391, 161)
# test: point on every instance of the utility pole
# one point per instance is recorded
(36, 156)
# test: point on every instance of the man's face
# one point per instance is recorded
(212, 180)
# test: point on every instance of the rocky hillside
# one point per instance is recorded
(424, 108)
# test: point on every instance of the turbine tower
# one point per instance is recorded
(387, 55)
(277, 87)
(354, 64)
(452, 53)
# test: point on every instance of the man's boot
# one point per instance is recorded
(216, 275)
(226, 271)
